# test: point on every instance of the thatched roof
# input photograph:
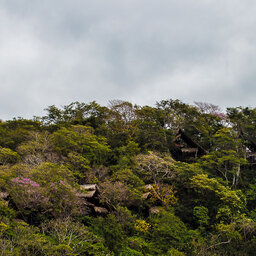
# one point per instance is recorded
(89, 187)
(100, 210)
(149, 187)
(146, 195)
(192, 145)
(87, 194)
(4, 195)
(154, 210)
(189, 150)
(88, 190)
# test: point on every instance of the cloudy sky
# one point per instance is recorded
(60, 51)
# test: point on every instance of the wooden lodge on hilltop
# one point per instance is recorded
(186, 147)
(251, 153)
(89, 194)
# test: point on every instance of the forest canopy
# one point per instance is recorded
(170, 179)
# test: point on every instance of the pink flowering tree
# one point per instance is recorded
(28, 195)
(64, 199)
(48, 191)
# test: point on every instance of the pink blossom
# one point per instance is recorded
(25, 181)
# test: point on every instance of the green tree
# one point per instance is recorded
(8, 156)
(81, 140)
(227, 156)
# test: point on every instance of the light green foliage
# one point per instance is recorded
(225, 163)
(6, 173)
(14, 132)
(127, 176)
(3, 227)
(79, 165)
(8, 156)
(153, 167)
(38, 148)
(6, 211)
(74, 237)
(80, 139)
(7, 248)
(228, 231)
(234, 199)
(91, 114)
(246, 226)
(164, 194)
(131, 149)
(142, 226)
(224, 214)
(201, 215)
(126, 153)
(130, 252)
(227, 157)
(24, 240)
(174, 252)
(50, 172)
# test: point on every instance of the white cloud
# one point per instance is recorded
(143, 51)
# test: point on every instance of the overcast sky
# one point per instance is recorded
(60, 51)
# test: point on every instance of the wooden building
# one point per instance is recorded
(89, 194)
(186, 147)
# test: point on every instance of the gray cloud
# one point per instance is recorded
(56, 52)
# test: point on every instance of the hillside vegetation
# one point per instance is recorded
(128, 180)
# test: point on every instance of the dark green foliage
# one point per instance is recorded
(168, 231)
(111, 230)
(14, 132)
(92, 180)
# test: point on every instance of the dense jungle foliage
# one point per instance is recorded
(128, 180)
